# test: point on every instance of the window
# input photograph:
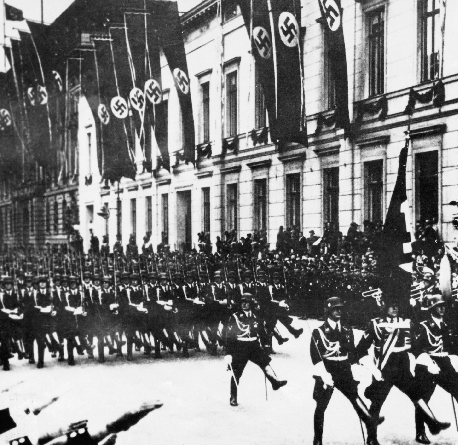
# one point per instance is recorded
(430, 39)
(133, 216)
(376, 34)
(105, 205)
(149, 214)
(260, 204)
(331, 195)
(48, 216)
(427, 185)
(32, 217)
(206, 209)
(162, 124)
(205, 111)
(232, 207)
(373, 191)
(56, 217)
(165, 218)
(231, 104)
(293, 200)
(89, 153)
(231, 10)
(260, 105)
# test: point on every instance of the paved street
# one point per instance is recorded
(195, 396)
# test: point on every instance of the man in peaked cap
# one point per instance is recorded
(391, 336)
(437, 362)
(332, 350)
(242, 345)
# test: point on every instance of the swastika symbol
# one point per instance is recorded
(5, 119)
(262, 41)
(119, 107)
(288, 28)
(104, 116)
(182, 80)
(58, 80)
(31, 95)
(332, 14)
(42, 95)
(137, 99)
(153, 91)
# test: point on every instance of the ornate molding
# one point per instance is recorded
(292, 157)
(427, 131)
(266, 163)
(232, 169)
(205, 174)
(381, 140)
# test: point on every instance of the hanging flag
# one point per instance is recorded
(257, 22)
(13, 13)
(115, 158)
(395, 235)
(155, 112)
(331, 12)
(442, 17)
(167, 23)
(286, 19)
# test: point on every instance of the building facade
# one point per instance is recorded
(241, 181)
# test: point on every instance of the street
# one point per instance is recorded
(195, 397)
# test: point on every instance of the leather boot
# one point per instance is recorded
(276, 384)
(233, 399)
(422, 438)
(279, 338)
(61, 353)
(435, 427)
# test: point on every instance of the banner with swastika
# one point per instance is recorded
(331, 13)
(288, 39)
(262, 50)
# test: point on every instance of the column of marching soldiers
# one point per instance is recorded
(76, 305)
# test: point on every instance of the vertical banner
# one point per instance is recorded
(111, 112)
(286, 21)
(171, 40)
(331, 12)
(257, 22)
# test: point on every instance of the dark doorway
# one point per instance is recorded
(184, 221)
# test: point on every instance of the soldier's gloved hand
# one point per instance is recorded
(433, 368)
(413, 302)
(228, 359)
(78, 311)
(412, 363)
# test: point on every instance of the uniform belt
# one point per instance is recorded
(337, 359)
(401, 348)
(439, 354)
(247, 339)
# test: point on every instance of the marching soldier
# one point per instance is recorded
(10, 323)
(332, 350)
(395, 366)
(242, 345)
(437, 362)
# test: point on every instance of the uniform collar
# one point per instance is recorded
(334, 324)
(438, 321)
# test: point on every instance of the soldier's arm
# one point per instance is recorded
(362, 348)
(316, 347)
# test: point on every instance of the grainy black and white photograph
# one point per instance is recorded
(228, 222)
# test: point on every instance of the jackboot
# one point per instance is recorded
(273, 379)
(434, 425)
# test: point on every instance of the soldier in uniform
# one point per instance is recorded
(395, 365)
(242, 346)
(332, 350)
(437, 362)
(10, 323)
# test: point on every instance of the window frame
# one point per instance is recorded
(231, 129)
(260, 110)
(424, 58)
(133, 216)
(288, 199)
(205, 93)
(206, 210)
(326, 194)
(380, 86)
(260, 204)
(232, 217)
(165, 218)
(367, 188)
